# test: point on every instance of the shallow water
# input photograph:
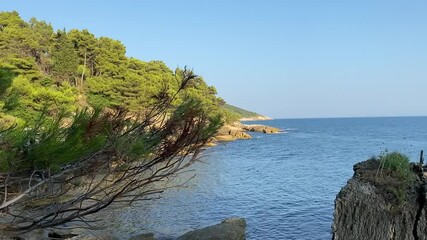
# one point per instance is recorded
(284, 185)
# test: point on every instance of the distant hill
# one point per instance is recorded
(244, 115)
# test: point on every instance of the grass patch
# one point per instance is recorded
(396, 165)
(395, 173)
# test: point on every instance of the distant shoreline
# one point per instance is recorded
(326, 118)
(257, 118)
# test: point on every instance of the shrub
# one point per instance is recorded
(48, 144)
(397, 165)
(395, 174)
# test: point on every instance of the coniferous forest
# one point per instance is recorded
(83, 126)
(63, 71)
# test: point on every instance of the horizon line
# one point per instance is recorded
(343, 117)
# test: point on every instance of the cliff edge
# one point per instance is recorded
(378, 204)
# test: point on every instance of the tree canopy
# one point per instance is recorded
(68, 70)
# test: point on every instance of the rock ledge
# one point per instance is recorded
(228, 229)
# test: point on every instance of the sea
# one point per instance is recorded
(283, 184)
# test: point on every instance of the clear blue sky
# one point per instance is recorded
(283, 59)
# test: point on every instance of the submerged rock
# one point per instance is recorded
(145, 236)
(367, 208)
(229, 229)
(61, 235)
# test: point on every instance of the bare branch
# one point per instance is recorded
(137, 163)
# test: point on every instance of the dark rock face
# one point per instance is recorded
(229, 229)
(365, 211)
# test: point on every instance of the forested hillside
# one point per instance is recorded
(82, 124)
(242, 113)
(62, 71)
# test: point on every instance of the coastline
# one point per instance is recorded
(257, 118)
(238, 130)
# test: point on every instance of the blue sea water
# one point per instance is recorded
(284, 184)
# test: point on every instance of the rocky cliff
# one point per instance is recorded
(375, 207)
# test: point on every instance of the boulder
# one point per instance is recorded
(228, 229)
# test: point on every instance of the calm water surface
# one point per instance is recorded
(284, 185)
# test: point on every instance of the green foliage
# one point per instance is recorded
(110, 59)
(48, 144)
(56, 69)
(242, 112)
(24, 46)
(65, 59)
(395, 174)
(151, 118)
(101, 92)
(14, 34)
(24, 99)
(85, 44)
(7, 121)
(66, 71)
(8, 19)
(229, 115)
(234, 113)
(25, 66)
(397, 164)
(6, 77)
(119, 157)
(42, 37)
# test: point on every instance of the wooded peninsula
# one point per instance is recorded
(83, 126)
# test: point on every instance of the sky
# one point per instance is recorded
(283, 58)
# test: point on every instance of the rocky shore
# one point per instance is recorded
(372, 208)
(237, 130)
(229, 229)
